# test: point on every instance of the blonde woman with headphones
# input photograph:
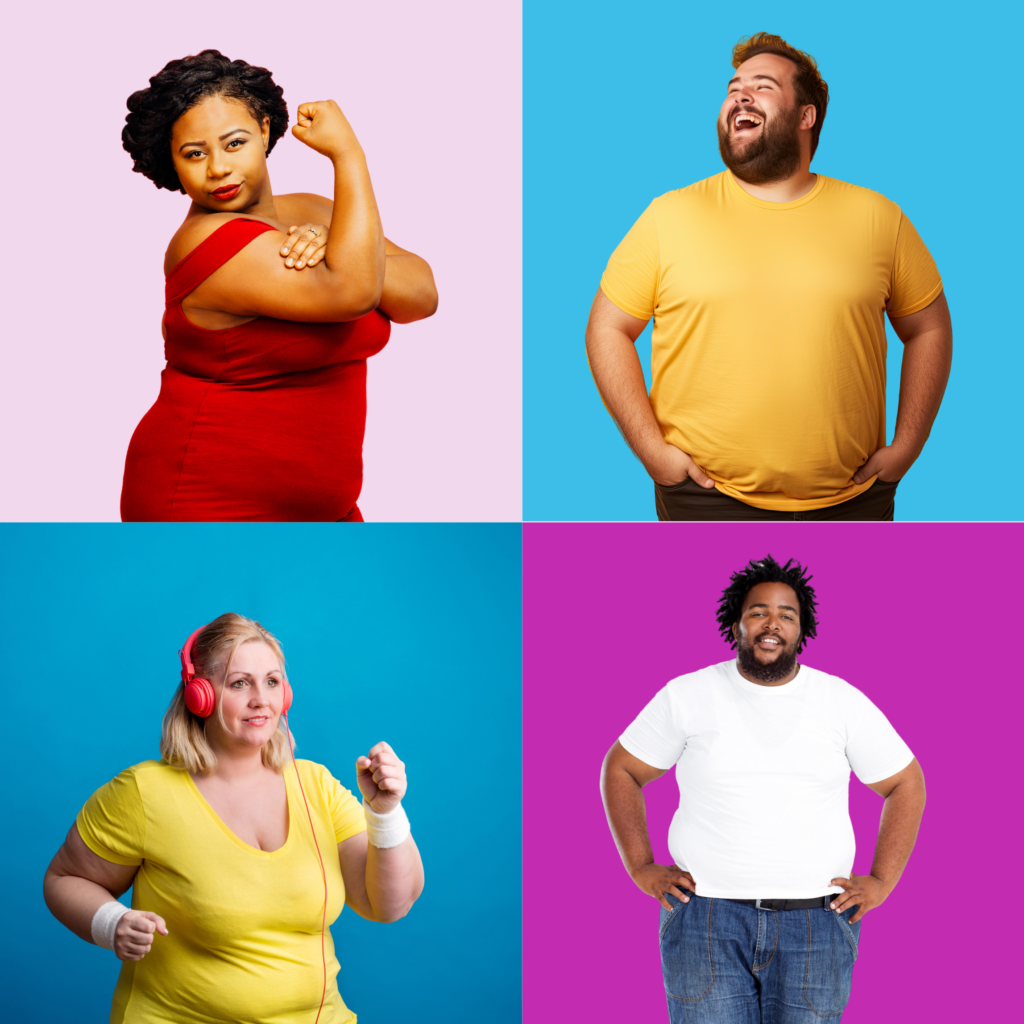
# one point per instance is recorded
(226, 843)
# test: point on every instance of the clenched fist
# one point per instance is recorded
(323, 127)
(134, 935)
(381, 778)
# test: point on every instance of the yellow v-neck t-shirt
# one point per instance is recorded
(768, 347)
(243, 924)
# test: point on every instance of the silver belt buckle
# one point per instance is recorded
(758, 905)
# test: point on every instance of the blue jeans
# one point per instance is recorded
(726, 963)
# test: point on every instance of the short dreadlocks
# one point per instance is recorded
(767, 570)
(179, 86)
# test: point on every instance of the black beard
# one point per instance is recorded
(775, 156)
(773, 672)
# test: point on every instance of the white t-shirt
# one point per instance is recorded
(763, 775)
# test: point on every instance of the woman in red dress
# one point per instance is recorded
(270, 314)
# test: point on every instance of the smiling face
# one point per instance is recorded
(250, 698)
(763, 133)
(219, 153)
(768, 634)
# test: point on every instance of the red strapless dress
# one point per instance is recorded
(258, 423)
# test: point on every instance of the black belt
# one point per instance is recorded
(818, 901)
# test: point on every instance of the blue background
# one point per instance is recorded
(406, 633)
(620, 105)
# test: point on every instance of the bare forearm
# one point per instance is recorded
(74, 901)
(355, 244)
(627, 817)
(394, 880)
(925, 371)
(897, 832)
(409, 293)
(620, 380)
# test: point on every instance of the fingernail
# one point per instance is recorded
(300, 264)
(686, 899)
(284, 251)
(288, 263)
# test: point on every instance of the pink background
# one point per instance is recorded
(433, 92)
(917, 616)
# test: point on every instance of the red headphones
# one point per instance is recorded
(199, 695)
(201, 700)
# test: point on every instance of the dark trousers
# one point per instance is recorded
(688, 502)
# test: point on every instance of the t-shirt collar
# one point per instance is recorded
(732, 671)
(765, 204)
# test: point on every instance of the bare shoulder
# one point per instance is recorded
(299, 207)
(195, 230)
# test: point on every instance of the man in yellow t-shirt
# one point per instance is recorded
(769, 286)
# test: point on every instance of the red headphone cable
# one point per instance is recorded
(323, 923)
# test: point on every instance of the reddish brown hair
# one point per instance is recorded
(810, 87)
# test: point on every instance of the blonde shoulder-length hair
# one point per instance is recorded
(183, 742)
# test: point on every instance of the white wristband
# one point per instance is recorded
(386, 830)
(104, 923)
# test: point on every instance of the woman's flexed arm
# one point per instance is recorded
(381, 881)
(355, 248)
(348, 281)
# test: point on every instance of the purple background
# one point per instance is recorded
(914, 615)
(433, 92)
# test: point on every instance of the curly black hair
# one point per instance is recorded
(178, 87)
(767, 570)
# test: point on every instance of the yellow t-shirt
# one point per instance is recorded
(768, 349)
(243, 940)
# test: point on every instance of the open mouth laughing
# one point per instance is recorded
(746, 122)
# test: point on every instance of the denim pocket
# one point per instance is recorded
(687, 963)
(831, 952)
(851, 932)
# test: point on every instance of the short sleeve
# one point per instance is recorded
(630, 279)
(915, 281)
(654, 737)
(346, 811)
(113, 822)
(873, 747)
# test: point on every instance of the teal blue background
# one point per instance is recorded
(410, 634)
(620, 104)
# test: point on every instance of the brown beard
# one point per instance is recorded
(774, 156)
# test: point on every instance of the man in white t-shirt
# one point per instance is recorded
(761, 911)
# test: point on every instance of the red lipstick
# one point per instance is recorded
(226, 192)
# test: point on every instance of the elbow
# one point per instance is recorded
(389, 915)
(51, 885)
(419, 308)
(425, 306)
(393, 915)
(396, 908)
